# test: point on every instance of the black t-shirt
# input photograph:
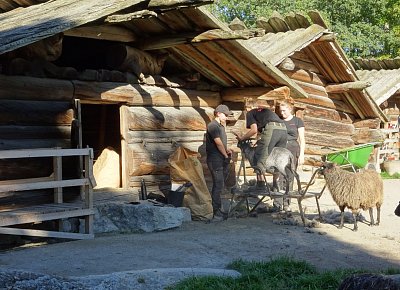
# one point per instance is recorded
(261, 117)
(215, 130)
(292, 127)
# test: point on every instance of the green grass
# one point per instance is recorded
(386, 175)
(282, 273)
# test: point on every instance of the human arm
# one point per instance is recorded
(252, 131)
(221, 147)
(302, 143)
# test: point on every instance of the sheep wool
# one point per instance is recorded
(355, 191)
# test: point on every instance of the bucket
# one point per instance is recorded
(175, 198)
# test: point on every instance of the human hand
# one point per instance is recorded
(227, 160)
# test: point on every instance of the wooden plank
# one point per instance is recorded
(43, 184)
(58, 191)
(25, 218)
(38, 113)
(188, 54)
(24, 153)
(328, 126)
(35, 132)
(47, 234)
(327, 113)
(21, 27)
(164, 118)
(143, 95)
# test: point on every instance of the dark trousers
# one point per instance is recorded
(218, 173)
(272, 136)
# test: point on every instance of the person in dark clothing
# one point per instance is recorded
(218, 155)
(272, 132)
(295, 144)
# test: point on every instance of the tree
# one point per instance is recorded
(365, 28)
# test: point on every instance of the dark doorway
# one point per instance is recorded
(101, 128)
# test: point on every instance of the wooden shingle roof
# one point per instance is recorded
(190, 34)
(384, 76)
(320, 45)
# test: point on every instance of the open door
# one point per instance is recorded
(100, 130)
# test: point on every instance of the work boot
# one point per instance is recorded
(219, 215)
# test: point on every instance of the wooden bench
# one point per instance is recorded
(57, 210)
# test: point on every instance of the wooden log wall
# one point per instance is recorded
(32, 124)
(329, 121)
(152, 134)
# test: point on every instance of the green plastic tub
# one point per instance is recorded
(356, 156)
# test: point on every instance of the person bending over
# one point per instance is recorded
(272, 132)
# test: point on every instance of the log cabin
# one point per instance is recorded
(384, 76)
(136, 77)
(141, 77)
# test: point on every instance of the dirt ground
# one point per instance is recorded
(214, 245)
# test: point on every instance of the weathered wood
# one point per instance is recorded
(327, 140)
(239, 94)
(142, 14)
(6, 144)
(35, 132)
(35, 113)
(367, 123)
(28, 88)
(142, 95)
(330, 37)
(130, 59)
(291, 63)
(145, 137)
(327, 113)
(237, 24)
(103, 32)
(312, 88)
(168, 4)
(28, 25)
(164, 118)
(345, 87)
(319, 125)
(153, 157)
(366, 135)
(306, 76)
(312, 149)
(186, 38)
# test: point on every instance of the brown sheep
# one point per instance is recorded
(360, 190)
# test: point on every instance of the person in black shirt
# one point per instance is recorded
(295, 144)
(218, 155)
(272, 132)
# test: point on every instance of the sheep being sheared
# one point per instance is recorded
(280, 160)
(360, 190)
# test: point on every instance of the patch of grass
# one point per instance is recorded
(386, 175)
(281, 273)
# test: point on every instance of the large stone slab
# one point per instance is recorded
(138, 217)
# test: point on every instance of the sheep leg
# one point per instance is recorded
(354, 212)
(378, 214)
(371, 217)
(341, 217)
(275, 179)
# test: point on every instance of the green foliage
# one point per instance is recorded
(281, 273)
(386, 175)
(365, 28)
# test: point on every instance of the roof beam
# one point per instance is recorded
(21, 27)
(186, 38)
(345, 87)
(103, 32)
